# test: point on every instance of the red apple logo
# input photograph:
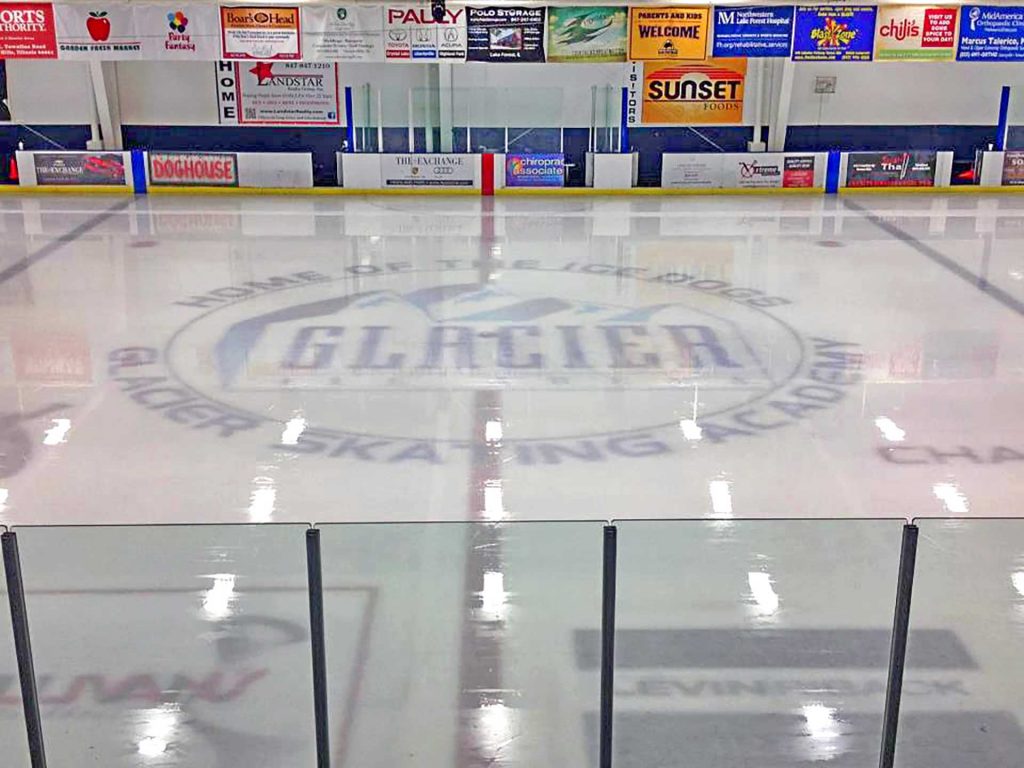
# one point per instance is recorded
(98, 25)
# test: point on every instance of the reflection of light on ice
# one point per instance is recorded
(952, 497)
(217, 599)
(293, 430)
(690, 429)
(58, 433)
(262, 500)
(766, 600)
(1017, 578)
(890, 430)
(158, 726)
(494, 505)
(493, 597)
(497, 728)
(493, 431)
(825, 731)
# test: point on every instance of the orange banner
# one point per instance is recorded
(668, 34)
(698, 93)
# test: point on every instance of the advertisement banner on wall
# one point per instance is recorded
(205, 169)
(278, 93)
(668, 33)
(708, 92)
(100, 31)
(753, 32)
(891, 169)
(834, 32)
(991, 33)
(427, 170)
(1013, 169)
(182, 32)
(27, 31)
(587, 34)
(260, 32)
(915, 33)
(79, 168)
(505, 33)
(410, 33)
(343, 32)
(768, 170)
(547, 170)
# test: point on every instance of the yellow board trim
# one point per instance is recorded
(85, 189)
(959, 190)
(648, 191)
(309, 191)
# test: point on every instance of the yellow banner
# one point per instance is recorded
(698, 93)
(668, 34)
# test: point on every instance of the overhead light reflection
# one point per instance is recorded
(890, 430)
(496, 728)
(262, 500)
(158, 728)
(493, 431)
(493, 597)
(690, 429)
(218, 599)
(1017, 578)
(494, 505)
(293, 430)
(58, 433)
(953, 498)
(721, 497)
(765, 598)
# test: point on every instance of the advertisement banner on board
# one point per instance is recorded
(891, 169)
(427, 170)
(411, 34)
(708, 92)
(834, 32)
(506, 33)
(260, 32)
(587, 34)
(190, 32)
(757, 32)
(915, 33)
(991, 33)
(546, 170)
(27, 31)
(104, 32)
(1013, 169)
(765, 170)
(79, 168)
(343, 32)
(201, 169)
(278, 93)
(668, 33)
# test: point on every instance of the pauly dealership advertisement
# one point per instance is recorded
(410, 33)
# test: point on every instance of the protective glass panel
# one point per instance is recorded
(1015, 119)
(453, 644)
(13, 743)
(171, 646)
(752, 643)
(962, 702)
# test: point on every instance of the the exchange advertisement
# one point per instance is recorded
(27, 31)
(506, 33)
(99, 31)
(587, 34)
(343, 32)
(411, 34)
(260, 32)
(708, 92)
(278, 93)
(427, 170)
(991, 33)
(891, 169)
(189, 32)
(544, 170)
(206, 169)
(756, 32)
(79, 168)
(834, 32)
(1013, 169)
(764, 170)
(668, 33)
(916, 33)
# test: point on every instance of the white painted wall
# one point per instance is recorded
(167, 93)
(49, 92)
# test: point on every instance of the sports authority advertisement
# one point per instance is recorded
(753, 32)
(668, 33)
(834, 32)
(97, 32)
(27, 31)
(768, 170)
(891, 169)
(502, 33)
(535, 170)
(343, 32)
(1013, 169)
(915, 33)
(260, 32)
(190, 32)
(193, 169)
(410, 32)
(592, 33)
(427, 170)
(278, 93)
(79, 168)
(708, 92)
(991, 33)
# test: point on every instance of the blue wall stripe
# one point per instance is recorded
(1004, 119)
(350, 129)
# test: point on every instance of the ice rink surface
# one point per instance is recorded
(478, 364)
